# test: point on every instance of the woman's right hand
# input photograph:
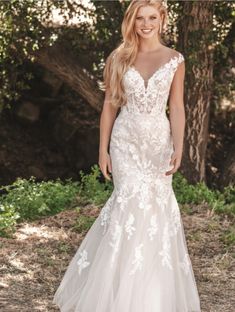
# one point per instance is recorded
(105, 164)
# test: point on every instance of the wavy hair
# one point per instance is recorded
(124, 55)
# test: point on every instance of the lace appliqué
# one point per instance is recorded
(141, 99)
(152, 230)
(186, 264)
(175, 219)
(165, 252)
(82, 262)
(115, 241)
(129, 225)
(140, 148)
(106, 212)
(138, 261)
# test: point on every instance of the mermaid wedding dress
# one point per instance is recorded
(134, 258)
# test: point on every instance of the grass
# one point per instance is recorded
(228, 237)
(83, 223)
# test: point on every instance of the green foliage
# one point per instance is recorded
(8, 219)
(28, 200)
(92, 190)
(200, 193)
(228, 237)
(16, 41)
(22, 33)
(83, 223)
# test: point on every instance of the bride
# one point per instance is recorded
(134, 258)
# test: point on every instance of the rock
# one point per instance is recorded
(28, 112)
(54, 82)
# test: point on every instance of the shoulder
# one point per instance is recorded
(172, 53)
(178, 55)
(177, 58)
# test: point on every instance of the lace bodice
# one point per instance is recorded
(153, 97)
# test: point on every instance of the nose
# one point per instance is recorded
(146, 22)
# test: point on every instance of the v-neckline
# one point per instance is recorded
(154, 73)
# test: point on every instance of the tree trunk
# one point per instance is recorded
(195, 28)
(63, 64)
(227, 176)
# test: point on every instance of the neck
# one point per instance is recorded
(149, 47)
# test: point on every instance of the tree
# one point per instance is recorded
(195, 29)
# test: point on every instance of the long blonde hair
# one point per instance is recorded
(124, 55)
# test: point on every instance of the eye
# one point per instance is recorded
(153, 17)
(138, 17)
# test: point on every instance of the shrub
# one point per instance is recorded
(92, 190)
(28, 200)
(222, 202)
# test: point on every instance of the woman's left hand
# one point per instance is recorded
(175, 161)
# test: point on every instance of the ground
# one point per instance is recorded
(34, 260)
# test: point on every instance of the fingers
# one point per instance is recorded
(170, 172)
(109, 165)
(106, 175)
(104, 171)
(176, 162)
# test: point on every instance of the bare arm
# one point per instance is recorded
(177, 116)
(107, 119)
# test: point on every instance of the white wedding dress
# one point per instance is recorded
(134, 258)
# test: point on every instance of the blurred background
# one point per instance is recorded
(52, 55)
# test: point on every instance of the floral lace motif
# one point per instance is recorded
(137, 262)
(152, 98)
(106, 212)
(140, 148)
(152, 230)
(165, 253)
(116, 237)
(186, 264)
(82, 261)
(129, 225)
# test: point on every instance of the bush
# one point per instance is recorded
(8, 219)
(200, 193)
(92, 190)
(29, 200)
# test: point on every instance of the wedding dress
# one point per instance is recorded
(134, 258)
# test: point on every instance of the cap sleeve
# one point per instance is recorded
(180, 58)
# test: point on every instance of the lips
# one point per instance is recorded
(146, 31)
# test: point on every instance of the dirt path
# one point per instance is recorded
(33, 263)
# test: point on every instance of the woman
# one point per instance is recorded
(134, 257)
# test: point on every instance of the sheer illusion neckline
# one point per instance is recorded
(154, 73)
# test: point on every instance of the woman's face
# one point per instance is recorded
(147, 21)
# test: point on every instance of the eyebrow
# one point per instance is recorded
(150, 15)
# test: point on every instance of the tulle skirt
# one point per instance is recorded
(131, 263)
